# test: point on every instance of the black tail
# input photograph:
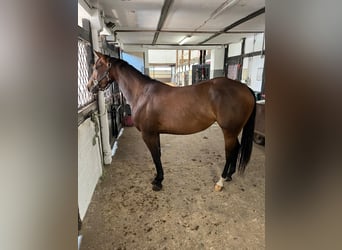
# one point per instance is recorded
(247, 140)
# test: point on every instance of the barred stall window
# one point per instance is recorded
(84, 97)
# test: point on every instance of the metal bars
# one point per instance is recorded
(84, 97)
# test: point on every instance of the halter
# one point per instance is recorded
(105, 74)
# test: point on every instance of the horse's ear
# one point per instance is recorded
(98, 54)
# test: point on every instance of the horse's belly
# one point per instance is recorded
(185, 126)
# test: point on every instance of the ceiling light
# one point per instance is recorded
(222, 7)
(184, 40)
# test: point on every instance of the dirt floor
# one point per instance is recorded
(187, 214)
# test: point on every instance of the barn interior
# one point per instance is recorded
(181, 43)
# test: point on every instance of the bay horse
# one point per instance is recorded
(160, 108)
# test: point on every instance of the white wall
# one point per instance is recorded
(217, 61)
(259, 42)
(255, 70)
(82, 13)
(234, 49)
(89, 155)
(249, 44)
(217, 58)
(89, 165)
(252, 69)
(254, 43)
(162, 56)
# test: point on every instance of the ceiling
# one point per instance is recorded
(164, 23)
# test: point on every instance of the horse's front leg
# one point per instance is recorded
(152, 140)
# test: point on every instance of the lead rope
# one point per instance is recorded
(94, 119)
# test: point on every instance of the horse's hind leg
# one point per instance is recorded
(153, 143)
(232, 150)
(233, 161)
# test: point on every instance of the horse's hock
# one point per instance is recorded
(187, 214)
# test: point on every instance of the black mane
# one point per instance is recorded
(126, 66)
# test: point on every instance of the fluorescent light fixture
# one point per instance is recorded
(222, 7)
(184, 40)
(115, 13)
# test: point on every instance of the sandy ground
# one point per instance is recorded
(187, 214)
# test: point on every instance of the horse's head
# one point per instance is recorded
(100, 79)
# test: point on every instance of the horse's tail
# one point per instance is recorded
(247, 139)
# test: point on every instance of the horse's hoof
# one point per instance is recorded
(156, 187)
(229, 178)
(218, 188)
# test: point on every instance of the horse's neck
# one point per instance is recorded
(131, 87)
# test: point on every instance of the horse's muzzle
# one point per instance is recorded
(91, 85)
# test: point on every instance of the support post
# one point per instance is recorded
(241, 59)
(217, 63)
(225, 61)
(107, 152)
(146, 63)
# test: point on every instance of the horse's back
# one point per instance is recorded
(232, 90)
(190, 109)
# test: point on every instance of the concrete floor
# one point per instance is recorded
(187, 214)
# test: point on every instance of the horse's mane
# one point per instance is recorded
(123, 65)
